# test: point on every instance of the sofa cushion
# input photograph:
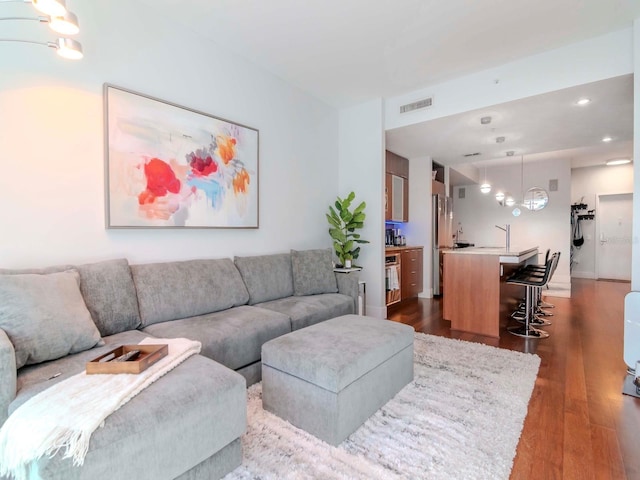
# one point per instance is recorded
(175, 290)
(108, 292)
(32, 379)
(313, 272)
(309, 310)
(233, 337)
(267, 277)
(45, 316)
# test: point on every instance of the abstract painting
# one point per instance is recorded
(171, 166)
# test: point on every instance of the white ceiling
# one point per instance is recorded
(348, 51)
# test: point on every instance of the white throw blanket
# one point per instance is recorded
(65, 415)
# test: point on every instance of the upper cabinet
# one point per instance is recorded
(396, 191)
(437, 183)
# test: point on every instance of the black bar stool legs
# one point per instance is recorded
(527, 330)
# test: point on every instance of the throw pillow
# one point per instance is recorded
(313, 272)
(45, 316)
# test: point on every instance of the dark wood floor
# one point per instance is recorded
(579, 424)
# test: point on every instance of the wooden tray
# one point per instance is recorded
(149, 354)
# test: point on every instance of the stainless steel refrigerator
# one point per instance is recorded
(441, 235)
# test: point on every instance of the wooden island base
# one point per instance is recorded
(474, 289)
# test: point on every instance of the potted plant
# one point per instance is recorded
(342, 226)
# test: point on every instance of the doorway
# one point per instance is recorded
(614, 214)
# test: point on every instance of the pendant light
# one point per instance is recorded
(516, 211)
(485, 187)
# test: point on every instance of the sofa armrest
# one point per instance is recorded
(8, 375)
(348, 285)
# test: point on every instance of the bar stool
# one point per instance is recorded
(541, 303)
(539, 269)
(531, 279)
(536, 319)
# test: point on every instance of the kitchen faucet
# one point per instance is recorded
(507, 230)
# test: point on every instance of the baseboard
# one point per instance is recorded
(590, 275)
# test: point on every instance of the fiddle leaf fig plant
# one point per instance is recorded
(343, 222)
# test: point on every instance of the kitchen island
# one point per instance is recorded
(474, 288)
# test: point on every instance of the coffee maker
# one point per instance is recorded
(394, 237)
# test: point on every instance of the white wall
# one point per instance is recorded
(586, 185)
(635, 247)
(361, 170)
(549, 228)
(51, 141)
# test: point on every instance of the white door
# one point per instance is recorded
(613, 245)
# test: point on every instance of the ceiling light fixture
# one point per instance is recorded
(583, 101)
(516, 211)
(60, 20)
(485, 187)
(55, 8)
(499, 139)
(607, 139)
(66, 24)
(618, 161)
(485, 120)
(500, 196)
(65, 47)
(510, 153)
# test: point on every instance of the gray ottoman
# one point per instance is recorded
(330, 377)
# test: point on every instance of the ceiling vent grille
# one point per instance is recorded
(420, 104)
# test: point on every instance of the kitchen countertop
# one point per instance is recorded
(513, 255)
(404, 247)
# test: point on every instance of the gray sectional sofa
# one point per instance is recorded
(187, 424)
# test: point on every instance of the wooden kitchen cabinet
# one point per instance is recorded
(396, 165)
(387, 196)
(396, 191)
(411, 262)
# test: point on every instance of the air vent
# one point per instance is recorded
(420, 104)
(475, 154)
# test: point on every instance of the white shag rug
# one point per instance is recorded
(460, 418)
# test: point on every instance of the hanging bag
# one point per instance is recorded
(578, 239)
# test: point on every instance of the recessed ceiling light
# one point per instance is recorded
(499, 139)
(618, 161)
(485, 120)
(510, 153)
(607, 139)
(583, 101)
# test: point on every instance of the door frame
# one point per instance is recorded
(597, 232)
